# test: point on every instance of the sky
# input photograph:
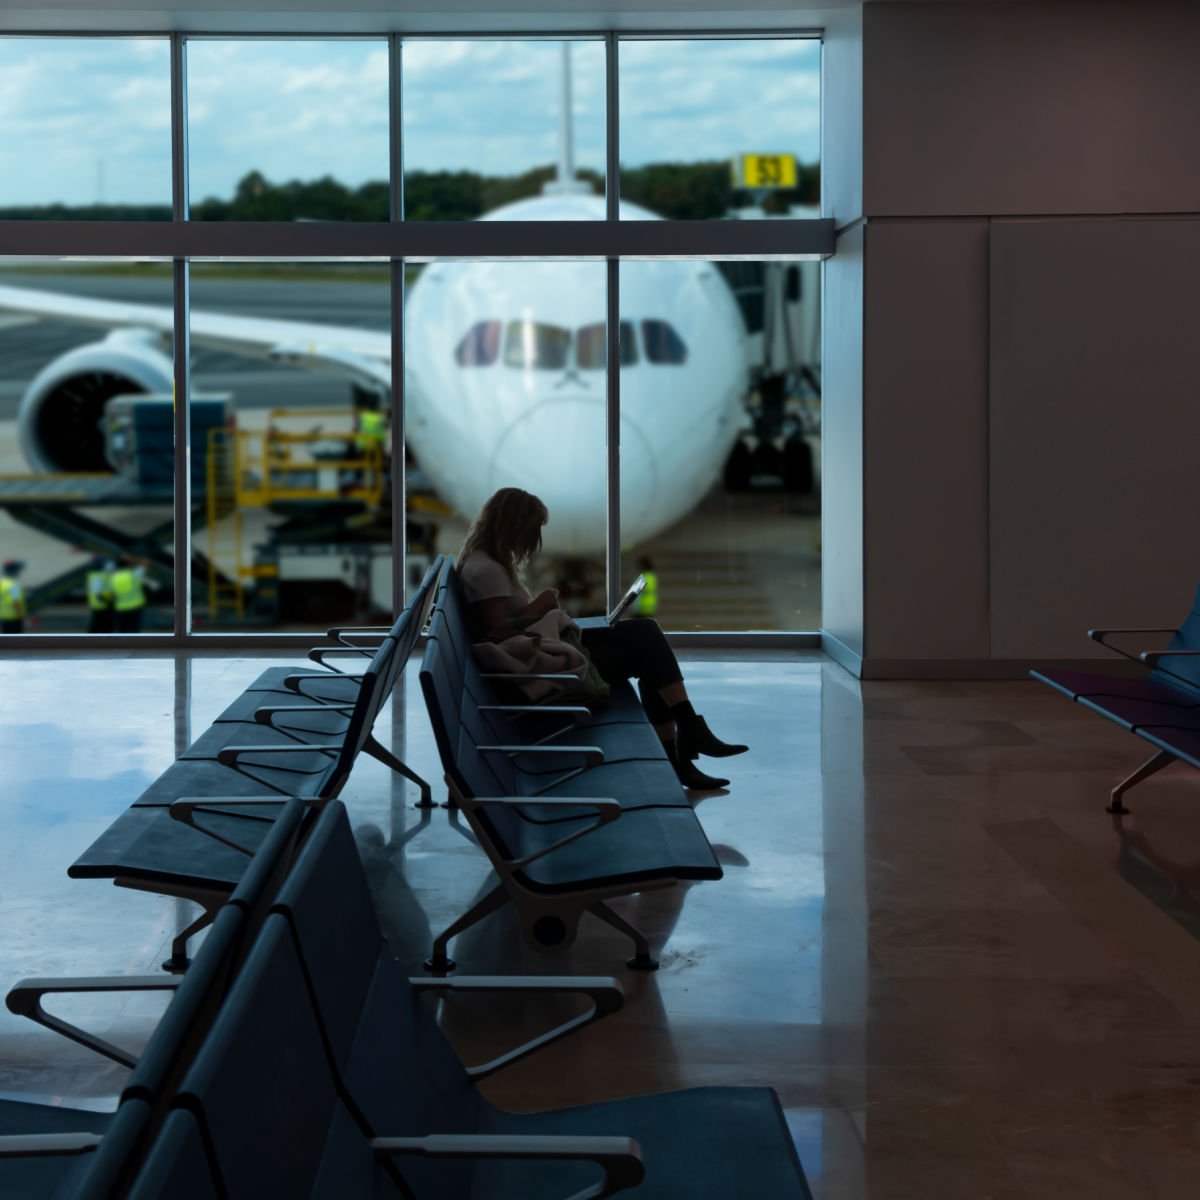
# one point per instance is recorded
(88, 120)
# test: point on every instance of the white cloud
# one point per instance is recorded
(80, 114)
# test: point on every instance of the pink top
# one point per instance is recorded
(483, 578)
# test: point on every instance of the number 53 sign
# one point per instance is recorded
(764, 171)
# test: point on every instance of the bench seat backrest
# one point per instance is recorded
(1185, 669)
(398, 1069)
(261, 1091)
(459, 731)
(381, 676)
(147, 1096)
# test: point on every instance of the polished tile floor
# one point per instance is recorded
(960, 978)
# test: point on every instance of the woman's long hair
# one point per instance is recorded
(508, 529)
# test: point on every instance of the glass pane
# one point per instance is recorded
(86, 445)
(720, 444)
(288, 130)
(590, 347)
(290, 420)
(526, 419)
(720, 128)
(484, 129)
(86, 128)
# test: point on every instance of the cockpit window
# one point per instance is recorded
(589, 346)
(480, 345)
(531, 344)
(662, 344)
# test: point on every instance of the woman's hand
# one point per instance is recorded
(544, 602)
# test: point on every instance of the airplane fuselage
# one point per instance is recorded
(505, 383)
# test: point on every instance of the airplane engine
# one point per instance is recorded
(60, 418)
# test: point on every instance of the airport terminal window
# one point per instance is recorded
(484, 133)
(87, 465)
(85, 129)
(288, 130)
(664, 346)
(480, 346)
(590, 347)
(291, 130)
(720, 128)
(471, 432)
(720, 456)
(536, 346)
(291, 454)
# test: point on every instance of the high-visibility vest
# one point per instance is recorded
(371, 430)
(99, 591)
(12, 600)
(648, 600)
(127, 590)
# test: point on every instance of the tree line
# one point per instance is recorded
(680, 191)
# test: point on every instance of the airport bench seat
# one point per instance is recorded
(147, 848)
(54, 1151)
(561, 844)
(359, 1093)
(1161, 705)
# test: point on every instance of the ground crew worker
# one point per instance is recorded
(12, 598)
(370, 435)
(370, 427)
(100, 596)
(647, 602)
(129, 595)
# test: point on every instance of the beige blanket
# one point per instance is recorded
(538, 650)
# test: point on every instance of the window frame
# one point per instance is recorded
(610, 240)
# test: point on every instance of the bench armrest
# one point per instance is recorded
(294, 682)
(25, 999)
(47, 1145)
(593, 755)
(607, 811)
(518, 676)
(1102, 636)
(266, 714)
(320, 653)
(1153, 657)
(228, 756)
(606, 994)
(578, 710)
(184, 810)
(620, 1158)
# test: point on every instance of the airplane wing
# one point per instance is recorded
(363, 354)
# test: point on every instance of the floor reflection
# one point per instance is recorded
(747, 992)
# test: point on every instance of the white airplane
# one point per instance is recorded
(504, 379)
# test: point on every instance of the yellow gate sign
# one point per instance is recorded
(764, 171)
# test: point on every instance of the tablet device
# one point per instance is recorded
(632, 593)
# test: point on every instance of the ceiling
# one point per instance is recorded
(421, 16)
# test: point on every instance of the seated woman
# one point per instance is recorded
(504, 538)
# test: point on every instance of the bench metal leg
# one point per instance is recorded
(377, 750)
(438, 963)
(209, 900)
(1164, 758)
(643, 960)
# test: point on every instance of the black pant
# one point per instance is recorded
(104, 620)
(636, 649)
(15, 626)
(129, 620)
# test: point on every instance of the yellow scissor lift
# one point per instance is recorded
(278, 464)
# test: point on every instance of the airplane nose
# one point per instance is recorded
(557, 451)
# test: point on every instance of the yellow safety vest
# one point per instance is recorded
(371, 430)
(12, 600)
(127, 590)
(99, 591)
(648, 600)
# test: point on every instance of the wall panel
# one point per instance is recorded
(1095, 420)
